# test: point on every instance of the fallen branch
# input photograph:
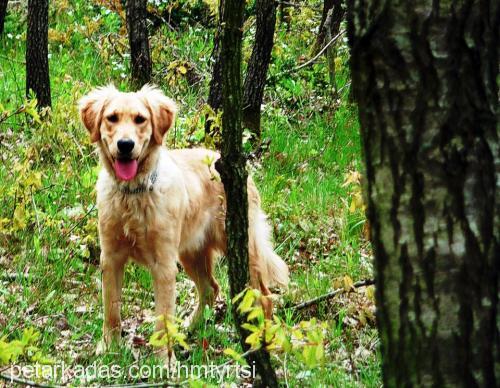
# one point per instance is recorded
(28, 383)
(310, 61)
(331, 294)
(79, 222)
(347, 84)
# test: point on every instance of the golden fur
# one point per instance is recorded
(180, 219)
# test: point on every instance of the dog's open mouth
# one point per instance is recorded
(125, 168)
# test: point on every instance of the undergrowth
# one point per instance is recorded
(308, 175)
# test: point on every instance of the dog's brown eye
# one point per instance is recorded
(112, 118)
(139, 119)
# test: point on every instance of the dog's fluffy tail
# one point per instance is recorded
(276, 268)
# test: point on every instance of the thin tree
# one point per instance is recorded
(3, 13)
(258, 65)
(37, 50)
(425, 78)
(140, 58)
(336, 10)
(232, 169)
(215, 88)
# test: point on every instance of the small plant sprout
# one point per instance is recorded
(305, 341)
(170, 336)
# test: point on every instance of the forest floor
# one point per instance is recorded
(307, 173)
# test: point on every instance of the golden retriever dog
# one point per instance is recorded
(158, 207)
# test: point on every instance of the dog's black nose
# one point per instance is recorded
(125, 146)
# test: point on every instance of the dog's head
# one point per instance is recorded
(127, 125)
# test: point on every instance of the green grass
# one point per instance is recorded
(49, 263)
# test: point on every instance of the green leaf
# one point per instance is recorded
(250, 327)
(309, 354)
(254, 340)
(239, 296)
(257, 312)
(247, 302)
(234, 355)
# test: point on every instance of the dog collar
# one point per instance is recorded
(143, 187)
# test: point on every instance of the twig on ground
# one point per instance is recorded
(347, 84)
(79, 222)
(331, 294)
(12, 114)
(278, 247)
(29, 383)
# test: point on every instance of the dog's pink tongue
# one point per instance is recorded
(126, 169)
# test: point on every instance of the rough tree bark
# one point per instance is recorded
(3, 12)
(425, 78)
(140, 57)
(255, 81)
(333, 28)
(332, 16)
(37, 50)
(331, 52)
(215, 91)
(232, 169)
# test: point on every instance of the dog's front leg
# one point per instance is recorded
(112, 266)
(164, 271)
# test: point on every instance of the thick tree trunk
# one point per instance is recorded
(37, 60)
(255, 80)
(332, 28)
(232, 168)
(425, 77)
(139, 42)
(215, 91)
(3, 12)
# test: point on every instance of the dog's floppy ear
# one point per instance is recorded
(91, 108)
(163, 110)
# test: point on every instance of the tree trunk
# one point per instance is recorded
(337, 12)
(215, 92)
(425, 78)
(232, 169)
(37, 50)
(3, 12)
(331, 52)
(139, 42)
(255, 80)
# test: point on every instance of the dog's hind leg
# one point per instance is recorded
(199, 267)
